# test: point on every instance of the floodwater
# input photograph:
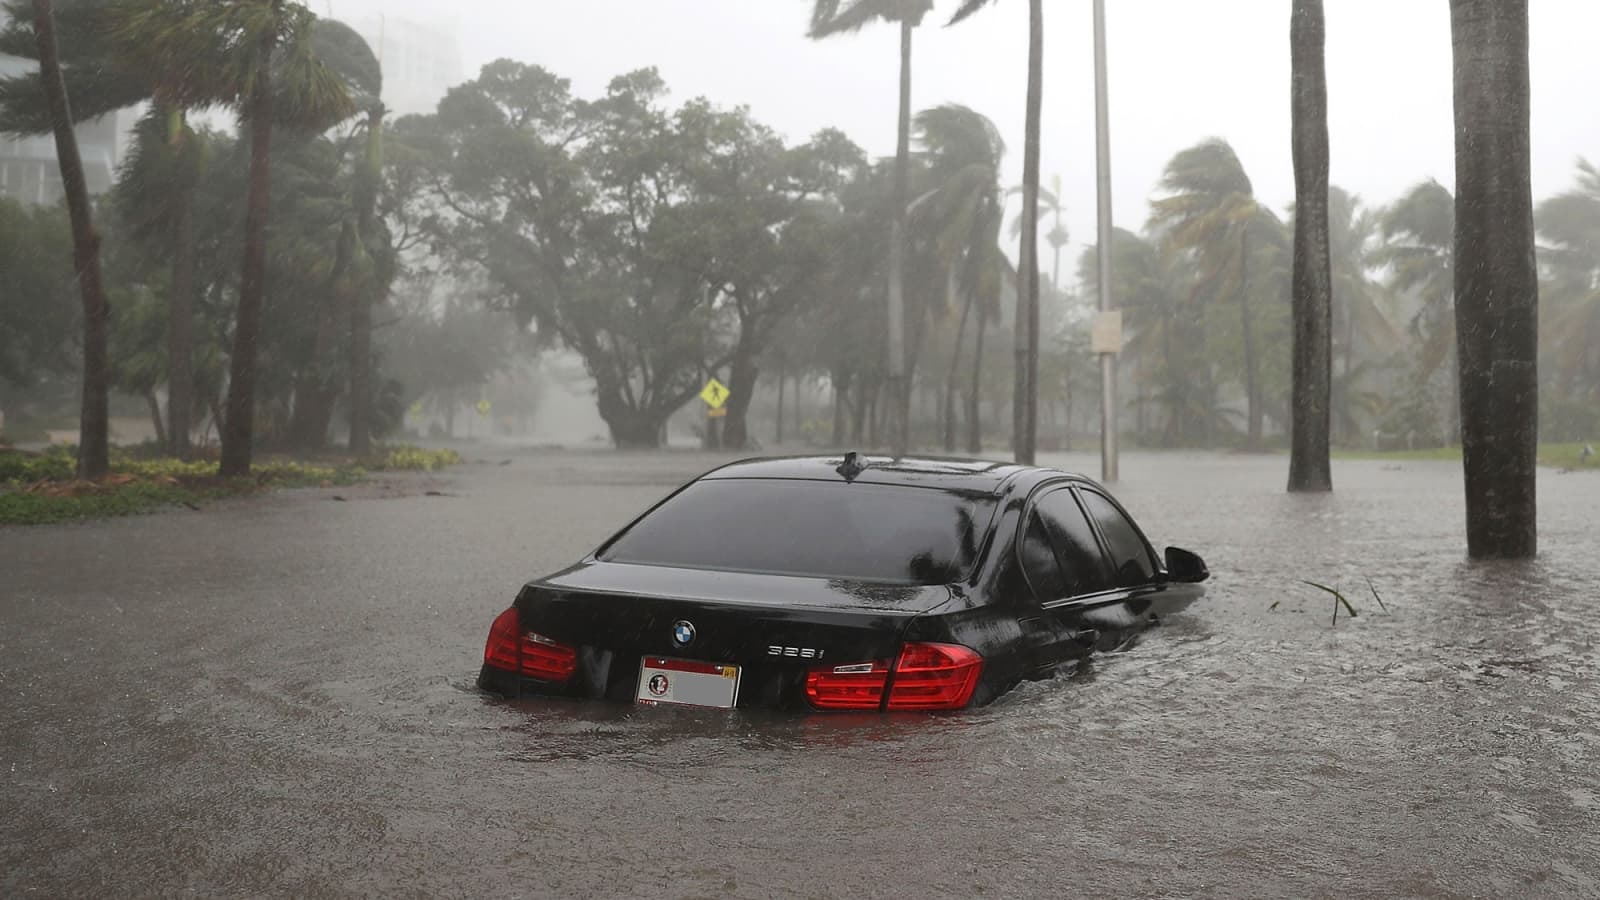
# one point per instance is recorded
(275, 697)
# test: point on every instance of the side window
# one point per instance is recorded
(1130, 556)
(1039, 562)
(1083, 568)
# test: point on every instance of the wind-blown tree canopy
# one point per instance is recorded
(1570, 225)
(258, 58)
(1210, 213)
(640, 236)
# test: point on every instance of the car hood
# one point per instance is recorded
(743, 588)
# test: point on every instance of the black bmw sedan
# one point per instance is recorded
(843, 584)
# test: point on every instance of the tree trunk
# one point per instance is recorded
(1496, 279)
(155, 416)
(1025, 393)
(955, 373)
(742, 374)
(94, 421)
(783, 378)
(631, 429)
(365, 294)
(975, 391)
(1313, 278)
(1252, 393)
(841, 399)
(180, 306)
(238, 428)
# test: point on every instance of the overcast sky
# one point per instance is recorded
(1180, 71)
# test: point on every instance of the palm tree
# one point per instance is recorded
(256, 58)
(1309, 468)
(962, 214)
(94, 424)
(1496, 279)
(1025, 406)
(831, 17)
(1418, 252)
(1210, 214)
(1570, 224)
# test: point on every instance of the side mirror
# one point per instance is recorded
(1185, 566)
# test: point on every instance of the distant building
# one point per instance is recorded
(421, 61)
(28, 168)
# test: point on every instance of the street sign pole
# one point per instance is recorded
(1108, 354)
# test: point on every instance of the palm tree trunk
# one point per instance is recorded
(1313, 279)
(1496, 280)
(361, 305)
(975, 391)
(1252, 395)
(899, 381)
(180, 306)
(783, 378)
(950, 379)
(1025, 400)
(238, 428)
(94, 421)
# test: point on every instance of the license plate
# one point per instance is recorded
(686, 682)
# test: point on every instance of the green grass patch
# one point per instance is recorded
(37, 488)
(1561, 456)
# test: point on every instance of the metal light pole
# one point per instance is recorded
(1108, 329)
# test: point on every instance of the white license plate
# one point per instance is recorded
(687, 682)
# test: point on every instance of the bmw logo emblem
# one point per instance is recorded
(683, 633)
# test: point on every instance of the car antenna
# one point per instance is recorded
(852, 466)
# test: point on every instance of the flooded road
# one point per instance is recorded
(275, 698)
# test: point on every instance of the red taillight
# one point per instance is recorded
(534, 655)
(855, 686)
(935, 676)
(926, 676)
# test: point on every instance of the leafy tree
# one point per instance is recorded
(1309, 468)
(1496, 279)
(36, 305)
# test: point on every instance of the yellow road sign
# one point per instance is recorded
(715, 393)
(483, 407)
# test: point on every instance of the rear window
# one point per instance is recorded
(825, 529)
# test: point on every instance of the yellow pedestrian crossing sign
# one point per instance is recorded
(715, 393)
(483, 407)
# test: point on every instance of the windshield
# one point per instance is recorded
(870, 532)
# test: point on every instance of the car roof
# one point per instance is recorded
(948, 473)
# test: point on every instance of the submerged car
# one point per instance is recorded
(843, 584)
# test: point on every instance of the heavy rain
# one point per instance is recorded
(325, 327)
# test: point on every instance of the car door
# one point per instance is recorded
(1137, 573)
(1066, 568)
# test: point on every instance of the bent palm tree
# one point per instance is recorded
(831, 17)
(1570, 224)
(1418, 251)
(962, 213)
(1210, 213)
(1025, 405)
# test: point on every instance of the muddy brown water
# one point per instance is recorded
(274, 697)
